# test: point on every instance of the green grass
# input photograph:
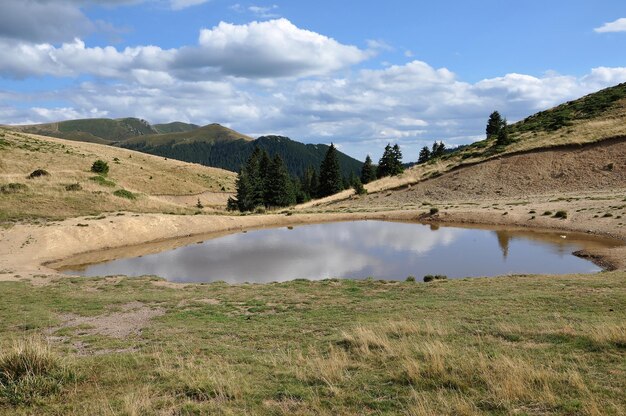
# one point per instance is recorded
(525, 345)
(101, 180)
(123, 193)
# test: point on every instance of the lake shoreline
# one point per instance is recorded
(30, 250)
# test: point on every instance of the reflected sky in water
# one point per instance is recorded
(383, 250)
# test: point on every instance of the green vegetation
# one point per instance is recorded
(424, 155)
(390, 163)
(368, 171)
(101, 180)
(38, 173)
(100, 167)
(433, 277)
(30, 372)
(13, 188)
(473, 346)
(433, 211)
(330, 174)
(585, 108)
(123, 193)
(175, 127)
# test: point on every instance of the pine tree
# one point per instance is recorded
(424, 155)
(330, 181)
(494, 124)
(385, 163)
(438, 149)
(396, 160)
(502, 138)
(309, 183)
(368, 171)
(280, 192)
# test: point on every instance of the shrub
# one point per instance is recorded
(607, 215)
(434, 211)
(410, 279)
(260, 210)
(100, 166)
(547, 213)
(199, 204)
(13, 188)
(123, 193)
(38, 173)
(560, 214)
(29, 370)
(73, 187)
(433, 277)
(358, 187)
(100, 180)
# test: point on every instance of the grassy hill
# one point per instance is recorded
(590, 119)
(211, 145)
(136, 181)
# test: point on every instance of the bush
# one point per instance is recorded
(13, 188)
(30, 371)
(410, 279)
(100, 180)
(547, 213)
(38, 173)
(123, 193)
(434, 211)
(199, 204)
(73, 187)
(358, 187)
(433, 277)
(100, 166)
(560, 214)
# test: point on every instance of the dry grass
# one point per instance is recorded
(161, 185)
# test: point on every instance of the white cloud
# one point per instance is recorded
(618, 25)
(264, 12)
(270, 49)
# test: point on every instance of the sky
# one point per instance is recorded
(360, 74)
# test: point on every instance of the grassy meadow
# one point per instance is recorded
(522, 345)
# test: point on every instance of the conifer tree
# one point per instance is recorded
(330, 181)
(396, 160)
(494, 124)
(424, 155)
(280, 192)
(385, 163)
(502, 138)
(368, 171)
(438, 149)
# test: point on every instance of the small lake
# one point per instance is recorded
(360, 249)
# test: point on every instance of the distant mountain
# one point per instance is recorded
(221, 148)
(175, 127)
(212, 145)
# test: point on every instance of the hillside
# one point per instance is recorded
(70, 189)
(594, 118)
(212, 145)
(217, 146)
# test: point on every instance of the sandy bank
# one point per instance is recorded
(30, 250)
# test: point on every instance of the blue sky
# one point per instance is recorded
(360, 74)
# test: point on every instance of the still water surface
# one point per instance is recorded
(383, 250)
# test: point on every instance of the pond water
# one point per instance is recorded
(383, 250)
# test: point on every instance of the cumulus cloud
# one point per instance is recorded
(275, 48)
(183, 4)
(618, 25)
(272, 49)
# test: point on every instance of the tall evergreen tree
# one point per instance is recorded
(438, 149)
(368, 171)
(309, 183)
(424, 155)
(502, 138)
(385, 163)
(494, 124)
(396, 160)
(330, 181)
(280, 192)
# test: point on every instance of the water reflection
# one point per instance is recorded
(388, 250)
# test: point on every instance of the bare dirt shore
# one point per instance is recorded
(33, 251)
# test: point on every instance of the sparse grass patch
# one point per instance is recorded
(73, 187)
(29, 372)
(13, 188)
(101, 180)
(123, 193)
